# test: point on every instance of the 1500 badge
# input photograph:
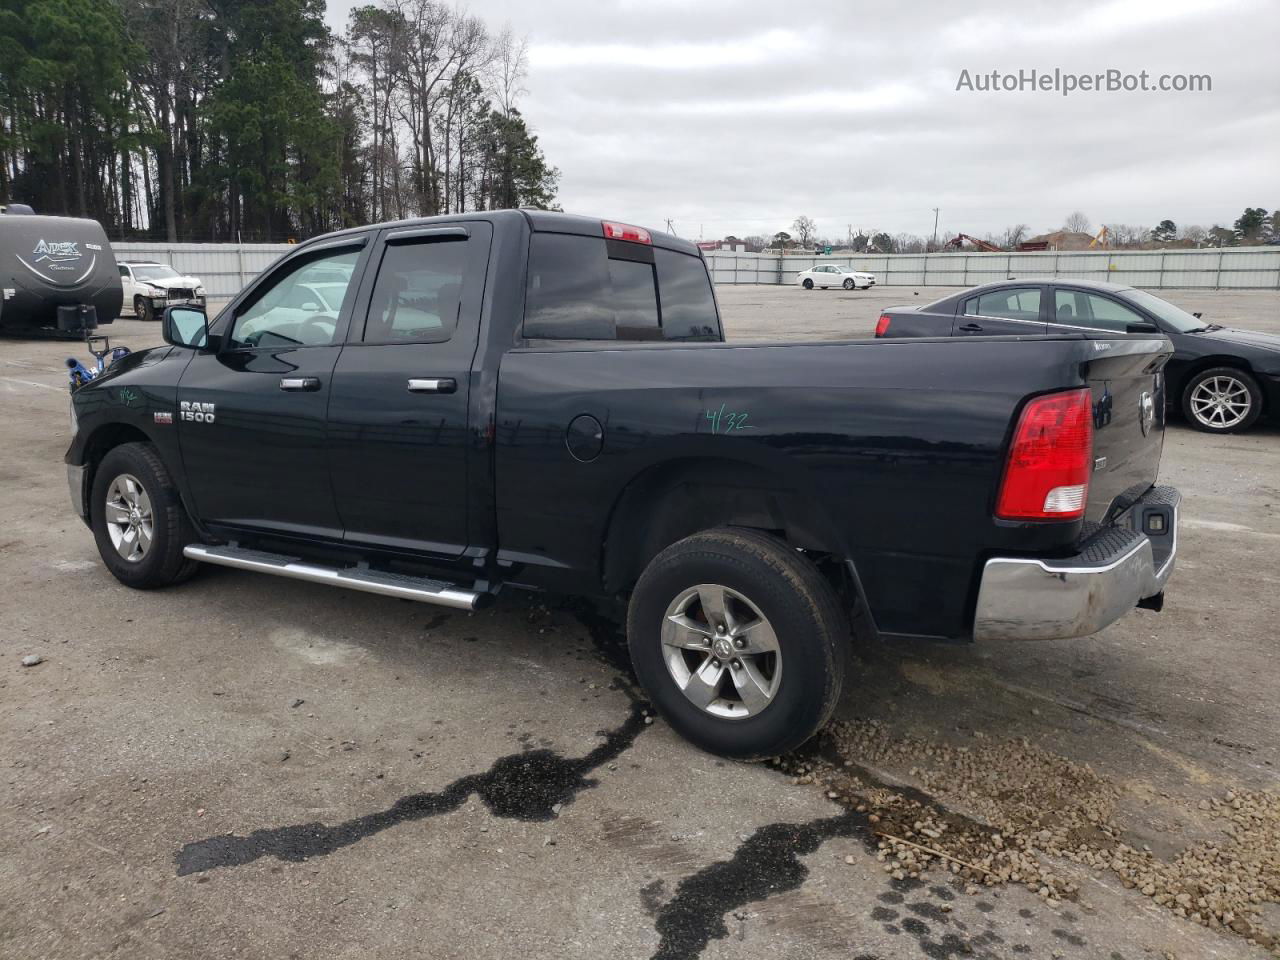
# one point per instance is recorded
(196, 411)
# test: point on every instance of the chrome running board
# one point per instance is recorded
(353, 578)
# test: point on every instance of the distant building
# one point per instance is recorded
(1061, 240)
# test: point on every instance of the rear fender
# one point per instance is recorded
(670, 501)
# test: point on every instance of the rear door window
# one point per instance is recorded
(1014, 303)
(418, 292)
(587, 288)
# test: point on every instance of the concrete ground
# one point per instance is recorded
(254, 767)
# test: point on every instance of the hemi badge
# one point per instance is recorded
(1099, 463)
(164, 416)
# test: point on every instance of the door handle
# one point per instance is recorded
(300, 383)
(972, 328)
(432, 385)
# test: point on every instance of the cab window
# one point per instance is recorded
(588, 288)
(300, 306)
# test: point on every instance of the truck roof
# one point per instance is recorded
(549, 221)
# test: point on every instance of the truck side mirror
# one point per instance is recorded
(185, 327)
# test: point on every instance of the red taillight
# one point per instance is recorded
(882, 325)
(1047, 474)
(624, 231)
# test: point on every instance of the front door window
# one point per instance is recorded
(301, 307)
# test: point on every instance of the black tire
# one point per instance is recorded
(142, 309)
(1235, 383)
(849, 284)
(808, 283)
(162, 564)
(799, 604)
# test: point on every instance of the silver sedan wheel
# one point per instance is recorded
(721, 651)
(129, 519)
(1220, 402)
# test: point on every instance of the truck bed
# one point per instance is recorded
(890, 450)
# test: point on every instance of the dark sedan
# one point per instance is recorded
(1222, 379)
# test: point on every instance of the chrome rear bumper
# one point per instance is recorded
(1024, 598)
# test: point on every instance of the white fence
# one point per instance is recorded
(226, 267)
(1232, 268)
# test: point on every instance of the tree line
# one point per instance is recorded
(215, 120)
(1255, 227)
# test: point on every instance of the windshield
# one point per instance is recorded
(157, 271)
(1175, 317)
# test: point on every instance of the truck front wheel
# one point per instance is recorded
(740, 642)
(138, 519)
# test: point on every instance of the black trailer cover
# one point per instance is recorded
(48, 262)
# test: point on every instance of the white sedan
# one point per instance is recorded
(834, 275)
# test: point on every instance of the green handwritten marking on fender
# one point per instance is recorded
(728, 421)
(128, 397)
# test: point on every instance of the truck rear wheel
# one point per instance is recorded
(139, 522)
(739, 641)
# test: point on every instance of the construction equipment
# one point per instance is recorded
(958, 241)
(1103, 235)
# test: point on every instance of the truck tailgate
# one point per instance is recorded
(1126, 379)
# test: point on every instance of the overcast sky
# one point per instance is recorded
(735, 117)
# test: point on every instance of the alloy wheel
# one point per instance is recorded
(1220, 402)
(130, 522)
(721, 651)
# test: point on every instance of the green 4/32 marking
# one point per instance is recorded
(727, 421)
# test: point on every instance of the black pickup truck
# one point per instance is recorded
(438, 409)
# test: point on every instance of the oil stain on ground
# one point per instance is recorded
(766, 863)
(521, 786)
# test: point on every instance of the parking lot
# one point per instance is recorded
(256, 767)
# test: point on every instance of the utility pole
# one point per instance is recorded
(670, 229)
(935, 228)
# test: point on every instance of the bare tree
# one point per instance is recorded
(1193, 233)
(804, 229)
(1125, 234)
(1013, 236)
(510, 60)
(1077, 222)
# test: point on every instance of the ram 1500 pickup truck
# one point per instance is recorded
(437, 409)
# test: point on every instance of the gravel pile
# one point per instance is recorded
(1007, 811)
